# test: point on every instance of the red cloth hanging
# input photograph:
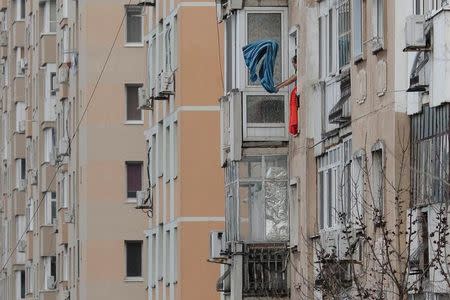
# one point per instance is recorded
(293, 113)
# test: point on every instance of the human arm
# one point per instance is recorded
(287, 82)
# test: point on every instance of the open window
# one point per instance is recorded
(264, 116)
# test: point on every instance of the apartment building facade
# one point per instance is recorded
(367, 176)
(185, 190)
(72, 150)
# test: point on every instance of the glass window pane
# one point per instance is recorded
(134, 179)
(276, 167)
(276, 211)
(134, 24)
(266, 26)
(250, 167)
(265, 109)
(134, 258)
(133, 113)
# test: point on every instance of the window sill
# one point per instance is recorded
(131, 201)
(134, 45)
(134, 279)
(358, 59)
(134, 122)
(377, 47)
(47, 33)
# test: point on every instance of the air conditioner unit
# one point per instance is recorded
(51, 284)
(144, 199)
(63, 74)
(33, 177)
(21, 246)
(4, 38)
(164, 86)
(226, 7)
(415, 38)
(216, 245)
(145, 102)
(22, 126)
(69, 216)
(63, 149)
(22, 185)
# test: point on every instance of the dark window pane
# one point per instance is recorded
(22, 284)
(133, 113)
(265, 109)
(134, 258)
(134, 180)
(53, 267)
(134, 24)
(53, 210)
(22, 169)
(22, 9)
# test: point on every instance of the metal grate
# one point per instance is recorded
(430, 132)
(265, 270)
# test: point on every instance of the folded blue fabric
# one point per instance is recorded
(265, 50)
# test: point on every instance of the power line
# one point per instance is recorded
(73, 136)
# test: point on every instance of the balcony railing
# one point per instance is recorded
(265, 270)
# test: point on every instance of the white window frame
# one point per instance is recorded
(47, 21)
(333, 162)
(65, 190)
(358, 179)
(134, 44)
(29, 278)
(358, 29)
(239, 71)
(19, 175)
(50, 99)
(65, 9)
(49, 143)
(20, 114)
(18, 276)
(378, 183)
(66, 45)
(65, 265)
(48, 270)
(343, 4)
(29, 214)
(427, 7)
(19, 5)
(132, 122)
(20, 51)
(49, 200)
(378, 18)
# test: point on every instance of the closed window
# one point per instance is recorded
(49, 143)
(377, 24)
(20, 9)
(344, 32)
(133, 258)
(19, 61)
(377, 181)
(20, 171)
(357, 28)
(20, 285)
(20, 116)
(134, 178)
(134, 24)
(50, 16)
(133, 112)
(49, 272)
(50, 208)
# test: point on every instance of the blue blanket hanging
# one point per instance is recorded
(265, 50)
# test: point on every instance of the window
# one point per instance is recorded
(29, 278)
(334, 179)
(65, 45)
(357, 28)
(64, 190)
(378, 182)
(134, 178)
(50, 208)
(20, 10)
(49, 272)
(167, 256)
(134, 24)
(29, 214)
(133, 258)
(50, 16)
(20, 171)
(19, 61)
(20, 116)
(65, 265)
(53, 83)
(326, 43)
(49, 143)
(377, 24)
(133, 112)
(175, 149)
(344, 32)
(154, 262)
(423, 7)
(357, 187)
(20, 285)
(167, 153)
(258, 199)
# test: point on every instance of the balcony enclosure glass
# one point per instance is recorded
(257, 199)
